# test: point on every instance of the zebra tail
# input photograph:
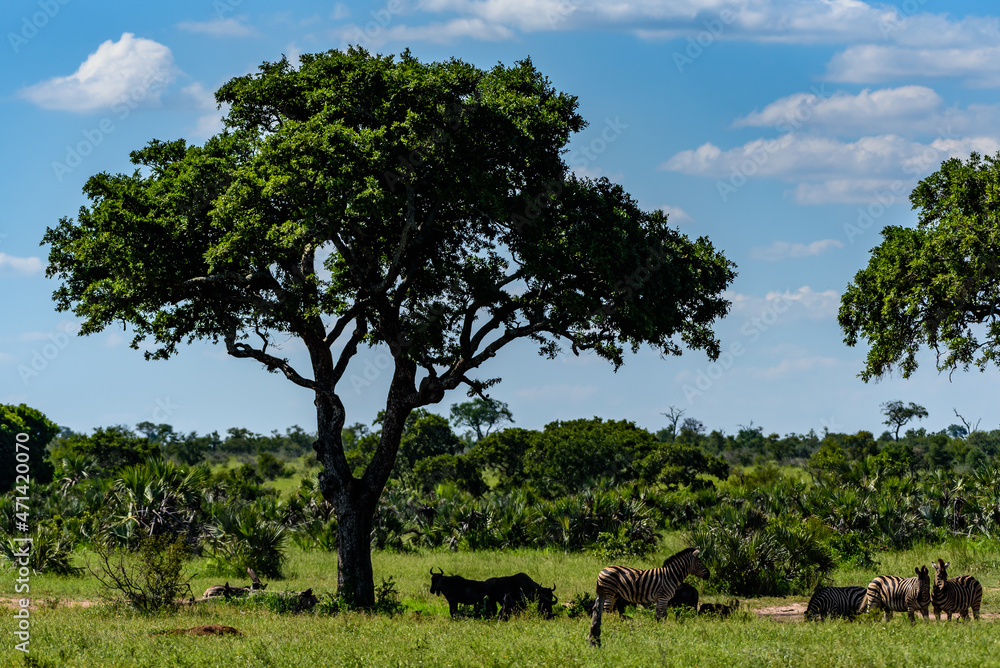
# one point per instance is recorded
(595, 621)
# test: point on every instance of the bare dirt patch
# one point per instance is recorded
(789, 612)
(795, 612)
(45, 602)
(204, 630)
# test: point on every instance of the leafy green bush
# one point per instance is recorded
(623, 544)
(148, 580)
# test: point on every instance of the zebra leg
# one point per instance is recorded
(975, 612)
(595, 621)
(661, 608)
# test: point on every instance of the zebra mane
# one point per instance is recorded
(680, 555)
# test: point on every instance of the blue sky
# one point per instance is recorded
(787, 131)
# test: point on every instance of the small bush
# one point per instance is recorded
(149, 580)
(48, 552)
(582, 605)
(278, 602)
(386, 602)
(622, 544)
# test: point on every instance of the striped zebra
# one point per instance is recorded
(957, 594)
(897, 594)
(835, 602)
(643, 587)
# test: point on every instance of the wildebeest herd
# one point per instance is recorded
(665, 588)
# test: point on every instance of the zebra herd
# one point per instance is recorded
(896, 594)
(886, 592)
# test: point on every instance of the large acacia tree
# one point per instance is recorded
(359, 200)
(937, 284)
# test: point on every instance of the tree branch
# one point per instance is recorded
(243, 350)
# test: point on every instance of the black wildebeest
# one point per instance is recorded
(513, 592)
(458, 590)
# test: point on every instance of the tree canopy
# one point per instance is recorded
(360, 200)
(937, 284)
(39, 430)
(898, 414)
(480, 413)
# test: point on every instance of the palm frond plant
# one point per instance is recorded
(242, 537)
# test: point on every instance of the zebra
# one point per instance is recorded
(955, 594)
(897, 594)
(836, 602)
(632, 585)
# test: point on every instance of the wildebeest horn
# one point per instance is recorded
(439, 568)
(553, 586)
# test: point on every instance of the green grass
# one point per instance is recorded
(71, 637)
(426, 636)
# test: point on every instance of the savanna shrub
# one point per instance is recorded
(148, 580)
(49, 552)
(242, 538)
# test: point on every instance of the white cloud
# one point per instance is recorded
(790, 367)
(800, 303)
(827, 169)
(800, 21)
(133, 70)
(208, 125)
(340, 11)
(867, 112)
(676, 214)
(20, 266)
(853, 191)
(816, 305)
(201, 97)
(231, 27)
(6, 358)
(781, 250)
(872, 63)
(435, 33)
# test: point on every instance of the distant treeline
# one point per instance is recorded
(564, 457)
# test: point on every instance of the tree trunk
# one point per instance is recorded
(354, 500)
(355, 578)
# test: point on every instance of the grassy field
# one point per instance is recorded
(425, 636)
